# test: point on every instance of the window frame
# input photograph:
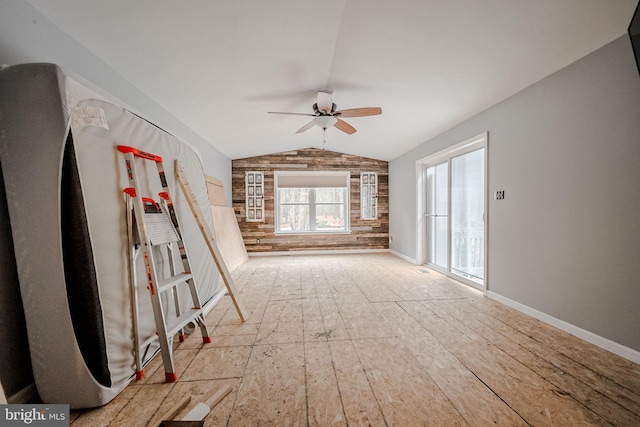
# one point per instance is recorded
(372, 194)
(312, 202)
(254, 196)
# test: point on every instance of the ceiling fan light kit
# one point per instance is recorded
(324, 121)
(325, 114)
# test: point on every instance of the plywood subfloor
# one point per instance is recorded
(374, 340)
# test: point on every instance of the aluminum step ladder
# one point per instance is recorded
(152, 224)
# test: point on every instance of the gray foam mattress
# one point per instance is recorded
(64, 181)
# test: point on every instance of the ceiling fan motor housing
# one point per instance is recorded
(317, 111)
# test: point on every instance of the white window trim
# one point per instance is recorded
(347, 204)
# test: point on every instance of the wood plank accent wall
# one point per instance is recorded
(365, 234)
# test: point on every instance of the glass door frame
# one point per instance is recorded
(431, 259)
(467, 146)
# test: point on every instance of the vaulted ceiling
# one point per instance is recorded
(219, 66)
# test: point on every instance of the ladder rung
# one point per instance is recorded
(179, 323)
(160, 229)
(170, 282)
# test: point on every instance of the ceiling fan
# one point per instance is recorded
(325, 114)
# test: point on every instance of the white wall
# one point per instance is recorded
(565, 241)
(28, 36)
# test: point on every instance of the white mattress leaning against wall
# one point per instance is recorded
(78, 125)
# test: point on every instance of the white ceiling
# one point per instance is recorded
(219, 66)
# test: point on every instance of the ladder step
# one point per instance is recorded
(160, 229)
(170, 282)
(179, 323)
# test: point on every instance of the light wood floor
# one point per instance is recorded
(375, 340)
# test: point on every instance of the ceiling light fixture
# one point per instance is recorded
(324, 122)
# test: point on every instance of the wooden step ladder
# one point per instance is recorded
(152, 224)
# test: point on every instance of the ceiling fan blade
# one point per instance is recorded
(291, 114)
(306, 127)
(324, 101)
(359, 112)
(345, 127)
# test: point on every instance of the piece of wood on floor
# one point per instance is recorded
(173, 423)
(175, 409)
(202, 409)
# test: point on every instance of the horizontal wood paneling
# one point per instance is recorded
(365, 234)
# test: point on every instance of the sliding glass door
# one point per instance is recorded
(437, 214)
(454, 212)
(467, 215)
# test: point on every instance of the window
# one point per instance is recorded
(312, 202)
(254, 193)
(369, 195)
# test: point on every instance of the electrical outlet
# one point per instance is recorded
(257, 241)
(499, 195)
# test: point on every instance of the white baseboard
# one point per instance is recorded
(208, 306)
(404, 257)
(613, 347)
(319, 252)
(26, 395)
